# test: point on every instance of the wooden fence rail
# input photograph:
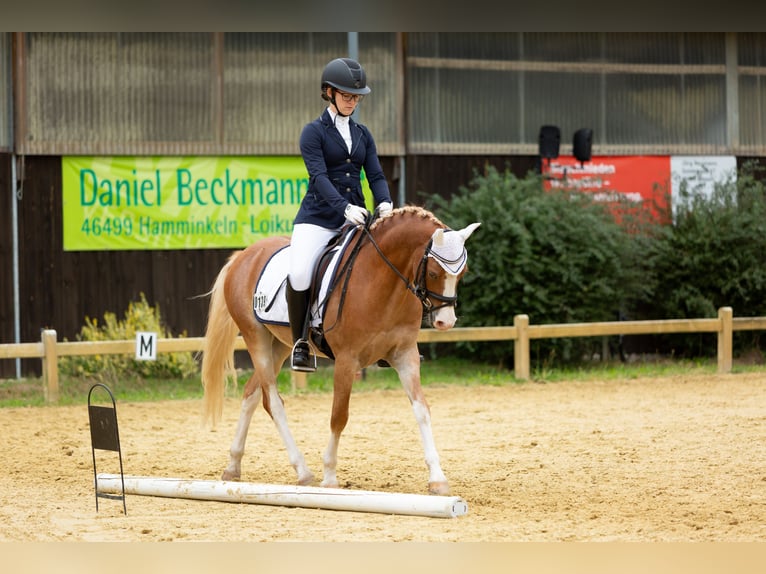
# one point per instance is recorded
(49, 349)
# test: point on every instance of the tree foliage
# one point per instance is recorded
(557, 256)
(713, 255)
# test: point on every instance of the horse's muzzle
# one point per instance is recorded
(442, 318)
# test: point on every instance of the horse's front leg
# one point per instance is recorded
(408, 368)
(342, 382)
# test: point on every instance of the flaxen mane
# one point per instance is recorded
(410, 210)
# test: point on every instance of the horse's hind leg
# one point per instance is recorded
(297, 460)
(276, 409)
(263, 385)
(233, 470)
(270, 361)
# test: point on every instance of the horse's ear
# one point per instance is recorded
(465, 233)
(438, 237)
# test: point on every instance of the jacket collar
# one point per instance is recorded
(327, 121)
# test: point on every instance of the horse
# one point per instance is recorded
(404, 269)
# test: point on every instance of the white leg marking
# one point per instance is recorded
(330, 460)
(234, 469)
(429, 446)
(409, 374)
(305, 476)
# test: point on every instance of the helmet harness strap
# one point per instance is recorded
(333, 91)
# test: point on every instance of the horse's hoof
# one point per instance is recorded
(330, 484)
(440, 488)
(306, 480)
(230, 476)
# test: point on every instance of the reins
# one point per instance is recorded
(345, 272)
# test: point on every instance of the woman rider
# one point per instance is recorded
(335, 149)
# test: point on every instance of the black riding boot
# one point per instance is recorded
(297, 310)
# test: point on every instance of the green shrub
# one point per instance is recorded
(140, 316)
(557, 256)
(560, 257)
(713, 255)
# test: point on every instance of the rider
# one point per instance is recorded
(335, 149)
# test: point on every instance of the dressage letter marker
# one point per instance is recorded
(146, 346)
(284, 495)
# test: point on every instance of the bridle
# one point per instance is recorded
(419, 288)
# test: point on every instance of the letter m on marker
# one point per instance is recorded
(146, 346)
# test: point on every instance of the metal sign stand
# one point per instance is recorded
(104, 435)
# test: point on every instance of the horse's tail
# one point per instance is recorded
(218, 349)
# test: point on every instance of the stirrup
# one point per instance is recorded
(302, 366)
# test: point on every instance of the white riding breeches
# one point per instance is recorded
(306, 245)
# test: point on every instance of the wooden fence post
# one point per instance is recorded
(725, 344)
(521, 347)
(50, 366)
(298, 379)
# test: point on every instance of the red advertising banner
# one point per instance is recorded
(643, 180)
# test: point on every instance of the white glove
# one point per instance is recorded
(355, 214)
(384, 207)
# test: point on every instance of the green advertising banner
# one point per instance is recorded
(123, 202)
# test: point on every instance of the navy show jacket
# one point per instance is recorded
(334, 173)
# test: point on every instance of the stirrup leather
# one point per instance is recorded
(308, 368)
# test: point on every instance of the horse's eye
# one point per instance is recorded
(432, 275)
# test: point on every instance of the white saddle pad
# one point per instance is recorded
(269, 298)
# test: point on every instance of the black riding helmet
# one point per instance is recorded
(346, 75)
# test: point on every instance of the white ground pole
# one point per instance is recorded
(287, 495)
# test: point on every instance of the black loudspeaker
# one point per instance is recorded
(550, 138)
(581, 144)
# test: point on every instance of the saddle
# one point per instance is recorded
(269, 296)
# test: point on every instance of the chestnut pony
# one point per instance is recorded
(407, 265)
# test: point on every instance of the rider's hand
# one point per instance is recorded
(355, 214)
(384, 207)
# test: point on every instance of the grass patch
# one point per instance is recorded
(72, 391)
(434, 373)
